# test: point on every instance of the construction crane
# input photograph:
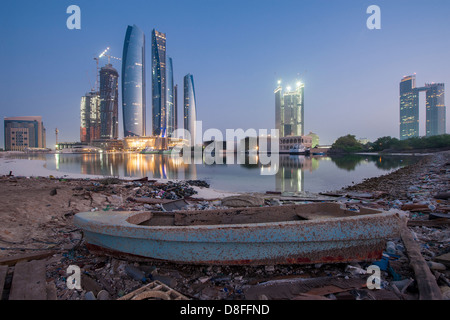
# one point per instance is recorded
(104, 54)
(97, 59)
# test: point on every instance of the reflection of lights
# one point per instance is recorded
(57, 160)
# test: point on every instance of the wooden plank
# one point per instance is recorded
(29, 281)
(10, 261)
(3, 272)
(426, 282)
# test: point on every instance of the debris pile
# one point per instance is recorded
(421, 190)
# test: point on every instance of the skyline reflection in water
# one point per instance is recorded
(295, 173)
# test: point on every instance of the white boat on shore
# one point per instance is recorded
(299, 149)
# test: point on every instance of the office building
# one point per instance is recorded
(435, 112)
(289, 110)
(190, 112)
(159, 116)
(109, 102)
(22, 133)
(133, 83)
(409, 108)
(90, 117)
(170, 101)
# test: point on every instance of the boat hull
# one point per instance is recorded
(329, 240)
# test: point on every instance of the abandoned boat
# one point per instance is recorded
(290, 234)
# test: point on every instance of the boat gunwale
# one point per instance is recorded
(120, 221)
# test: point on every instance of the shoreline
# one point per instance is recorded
(37, 217)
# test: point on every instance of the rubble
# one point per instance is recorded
(420, 190)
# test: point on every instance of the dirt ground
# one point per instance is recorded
(37, 213)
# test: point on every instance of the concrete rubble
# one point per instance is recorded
(421, 190)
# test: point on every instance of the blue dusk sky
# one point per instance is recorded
(236, 50)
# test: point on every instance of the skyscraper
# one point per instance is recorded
(109, 102)
(409, 108)
(90, 117)
(24, 132)
(435, 112)
(159, 117)
(289, 110)
(190, 112)
(133, 82)
(170, 101)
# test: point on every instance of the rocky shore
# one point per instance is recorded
(37, 214)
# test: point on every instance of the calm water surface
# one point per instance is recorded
(295, 173)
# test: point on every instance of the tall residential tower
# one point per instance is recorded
(159, 117)
(435, 112)
(109, 102)
(133, 82)
(409, 108)
(90, 117)
(289, 110)
(190, 112)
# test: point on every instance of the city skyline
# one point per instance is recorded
(350, 73)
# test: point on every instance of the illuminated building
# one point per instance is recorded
(90, 117)
(24, 132)
(190, 112)
(289, 110)
(109, 102)
(435, 112)
(170, 103)
(133, 82)
(409, 108)
(159, 117)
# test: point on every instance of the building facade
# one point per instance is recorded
(436, 111)
(133, 83)
(409, 108)
(190, 111)
(22, 133)
(159, 116)
(90, 117)
(170, 102)
(289, 110)
(109, 102)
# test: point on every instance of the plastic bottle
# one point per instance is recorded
(135, 273)
(390, 247)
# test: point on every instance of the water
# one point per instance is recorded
(295, 173)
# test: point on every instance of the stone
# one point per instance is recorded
(243, 201)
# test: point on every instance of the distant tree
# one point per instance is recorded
(384, 143)
(347, 144)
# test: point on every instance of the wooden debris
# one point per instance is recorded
(10, 261)
(29, 282)
(426, 282)
(3, 272)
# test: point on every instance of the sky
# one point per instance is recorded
(236, 50)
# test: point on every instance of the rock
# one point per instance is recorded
(436, 266)
(243, 201)
(444, 259)
(442, 195)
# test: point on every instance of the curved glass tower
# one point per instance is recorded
(190, 113)
(170, 103)
(133, 82)
(159, 117)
